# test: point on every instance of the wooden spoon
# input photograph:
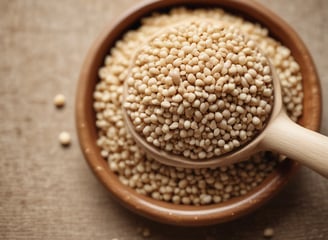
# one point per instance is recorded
(280, 135)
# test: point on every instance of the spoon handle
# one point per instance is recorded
(300, 144)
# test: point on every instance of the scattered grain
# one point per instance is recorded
(64, 138)
(268, 233)
(59, 100)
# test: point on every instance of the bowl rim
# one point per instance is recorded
(161, 211)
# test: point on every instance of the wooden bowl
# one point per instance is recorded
(180, 214)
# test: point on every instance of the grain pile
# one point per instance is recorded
(178, 185)
(199, 90)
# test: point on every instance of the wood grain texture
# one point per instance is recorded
(47, 192)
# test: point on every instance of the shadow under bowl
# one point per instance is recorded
(168, 212)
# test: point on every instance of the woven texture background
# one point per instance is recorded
(47, 192)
